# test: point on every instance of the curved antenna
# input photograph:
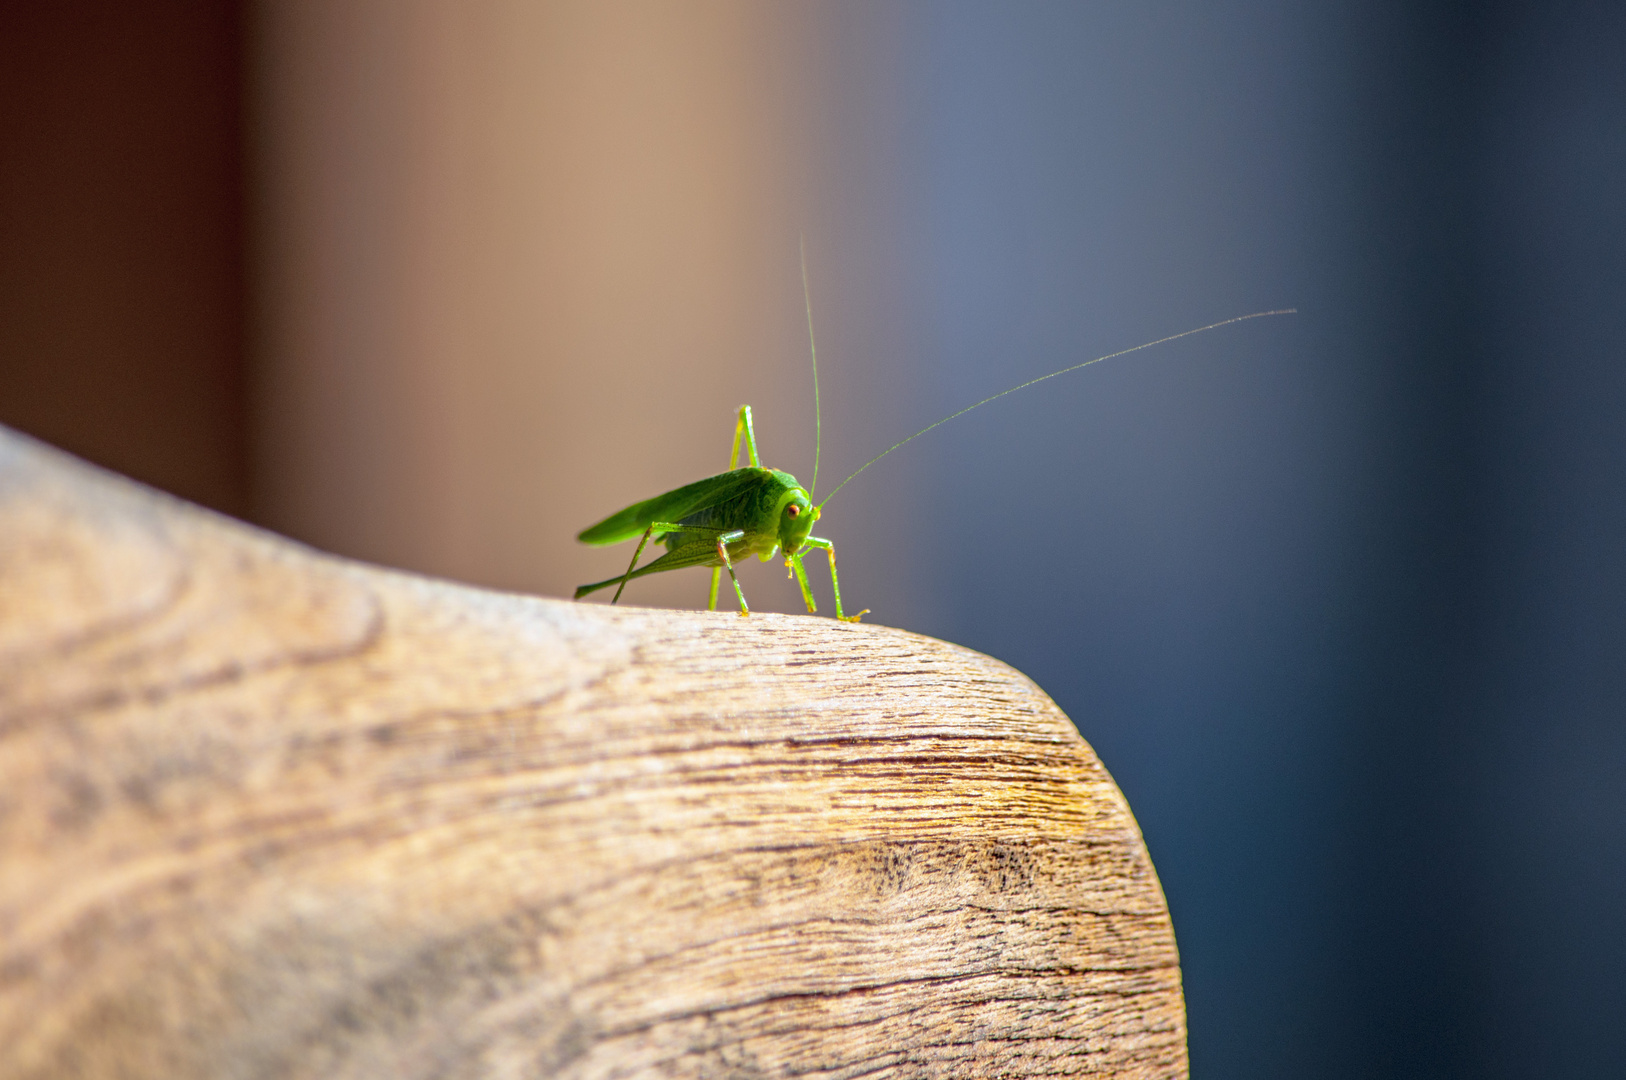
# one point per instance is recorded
(818, 434)
(1052, 375)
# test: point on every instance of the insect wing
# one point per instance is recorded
(675, 505)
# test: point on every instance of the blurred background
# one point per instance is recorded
(1339, 598)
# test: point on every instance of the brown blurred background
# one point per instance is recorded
(434, 285)
(121, 239)
(1340, 600)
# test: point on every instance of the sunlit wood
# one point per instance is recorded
(267, 813)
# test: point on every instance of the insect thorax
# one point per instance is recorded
(753, 510)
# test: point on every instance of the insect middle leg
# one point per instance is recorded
(722, 553)
(835, 583)
(685, 555)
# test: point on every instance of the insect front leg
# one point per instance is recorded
(794, 562)
(835, 584)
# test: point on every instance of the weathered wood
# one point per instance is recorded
(269, 813)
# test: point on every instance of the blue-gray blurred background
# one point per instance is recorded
(1338, 597)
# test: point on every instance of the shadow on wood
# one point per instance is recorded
(269, 813)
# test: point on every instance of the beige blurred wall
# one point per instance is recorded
(518, 263)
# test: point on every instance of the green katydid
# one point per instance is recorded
(761, 511)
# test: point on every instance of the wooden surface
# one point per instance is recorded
(268, 813)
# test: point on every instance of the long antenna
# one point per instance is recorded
(818, 420)
(1052, 375)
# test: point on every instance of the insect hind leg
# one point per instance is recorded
(743, 428)
(633, 564)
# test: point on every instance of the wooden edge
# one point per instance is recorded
(265, 812)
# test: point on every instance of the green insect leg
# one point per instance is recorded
(742, 427)
(795, 564)
(633, 564)
(683, 557)
(835, 583)
(722, 553)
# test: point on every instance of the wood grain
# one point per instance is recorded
(269, 813)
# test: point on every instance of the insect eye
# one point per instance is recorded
(793, 509)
